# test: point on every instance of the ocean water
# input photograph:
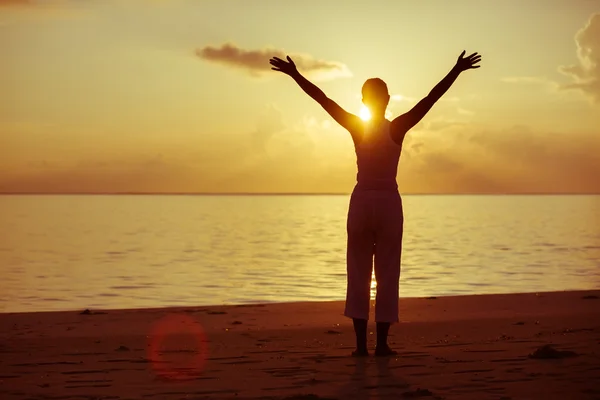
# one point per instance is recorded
(76, 252)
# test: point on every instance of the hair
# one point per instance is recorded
(374, 88)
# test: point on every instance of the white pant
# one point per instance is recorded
(374, 228)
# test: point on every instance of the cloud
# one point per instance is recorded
(402, 98)
(314, 155)
(585, 74)
(464, 111)
(463, 159)
(269, 123)
(137, 173)
(33, 4)
(308, 155)
(33, 11)
(526, 79)
(256, 62)
(448, 112)
(452, 99)
(541, 81)
(15, 3)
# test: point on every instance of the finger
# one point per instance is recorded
(462, 54)
(278, 59)
(289, 59)
(472, 55)
(478, 57)
(475, 60)
(276, 69)
(475, 66)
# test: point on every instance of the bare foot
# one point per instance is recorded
(360, 353)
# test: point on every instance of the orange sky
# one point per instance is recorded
(177, 95)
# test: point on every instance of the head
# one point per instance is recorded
(375, 96)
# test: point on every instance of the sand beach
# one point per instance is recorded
(508, 346)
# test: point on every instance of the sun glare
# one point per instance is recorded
(365, 114)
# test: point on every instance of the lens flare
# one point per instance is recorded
(190, 342)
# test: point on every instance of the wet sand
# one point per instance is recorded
(516, 346)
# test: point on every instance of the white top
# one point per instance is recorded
(377, 158)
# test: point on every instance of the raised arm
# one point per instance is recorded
(349, 121)
(404, 122)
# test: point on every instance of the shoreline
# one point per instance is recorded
(451, 347)
(292, 302)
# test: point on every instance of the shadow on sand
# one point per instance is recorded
(375, 378)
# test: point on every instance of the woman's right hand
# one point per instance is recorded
(287, 67)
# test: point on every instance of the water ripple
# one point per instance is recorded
(119, 252)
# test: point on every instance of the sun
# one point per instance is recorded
(365, 114)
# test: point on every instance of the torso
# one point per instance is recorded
(377, 157)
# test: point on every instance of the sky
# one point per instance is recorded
(177, 96)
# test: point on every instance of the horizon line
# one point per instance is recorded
(281, 193)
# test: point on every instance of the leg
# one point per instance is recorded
(388, 253)
(359, 261)
(360, 329)
(382, 348)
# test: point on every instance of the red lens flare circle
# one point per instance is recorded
(171, 326)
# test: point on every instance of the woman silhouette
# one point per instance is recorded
(375, 215)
